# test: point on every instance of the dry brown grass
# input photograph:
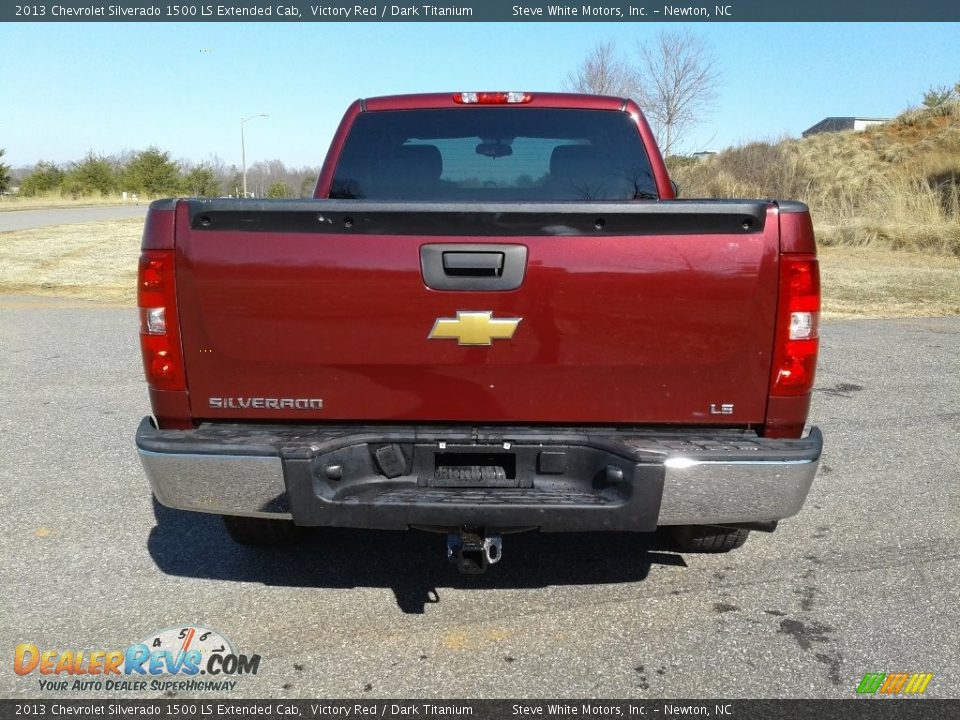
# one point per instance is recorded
(877, 283)
(94, 261)
(895, 185)
(98, 261)
(55, 200)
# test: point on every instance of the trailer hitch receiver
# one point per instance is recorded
(473, 550)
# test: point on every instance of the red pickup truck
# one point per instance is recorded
(493, 316)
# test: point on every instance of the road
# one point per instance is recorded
(25, 219)
(865, 579)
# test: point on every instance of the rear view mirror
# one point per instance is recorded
(494, 149)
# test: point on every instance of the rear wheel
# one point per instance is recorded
(261, 532)
(709, 538)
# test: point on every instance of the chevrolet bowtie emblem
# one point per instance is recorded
(474, 328)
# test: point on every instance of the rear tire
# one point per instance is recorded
(261, 532)
(709, 538)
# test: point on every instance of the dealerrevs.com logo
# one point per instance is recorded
(199, 658)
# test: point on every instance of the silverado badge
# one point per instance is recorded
(474, 328)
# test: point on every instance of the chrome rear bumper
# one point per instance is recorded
(606, 479)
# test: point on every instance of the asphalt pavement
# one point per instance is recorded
(24, 219)
(864, 579)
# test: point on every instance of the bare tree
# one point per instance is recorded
(265, 174)
(603, 72)
(678, 79)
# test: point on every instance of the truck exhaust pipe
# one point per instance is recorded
(473, 550)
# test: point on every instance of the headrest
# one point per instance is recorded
(573, 161)
(422, 162)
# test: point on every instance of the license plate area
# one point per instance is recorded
(471, 466)
(475, 470)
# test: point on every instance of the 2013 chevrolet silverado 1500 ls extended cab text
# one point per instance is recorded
(493, 316)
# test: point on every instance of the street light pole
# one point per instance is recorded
(243, 147)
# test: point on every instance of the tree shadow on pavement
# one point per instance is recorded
(411, 563)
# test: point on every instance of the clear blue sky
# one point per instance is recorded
(68, 88)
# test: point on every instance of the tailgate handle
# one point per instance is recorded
(473, 266)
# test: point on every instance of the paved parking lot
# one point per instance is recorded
(865, 579)
(25, 219)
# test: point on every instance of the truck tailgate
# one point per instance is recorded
(653, 313)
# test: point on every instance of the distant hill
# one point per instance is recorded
(895, 184)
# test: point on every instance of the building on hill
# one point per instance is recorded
(836, 124)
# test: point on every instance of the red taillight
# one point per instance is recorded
(152, 271)
(798, 326)
(159, 332)
(492, 98)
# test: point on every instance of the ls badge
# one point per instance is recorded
(474, 328)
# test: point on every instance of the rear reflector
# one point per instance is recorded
(159, 333)
(492, 98)
(798, 326)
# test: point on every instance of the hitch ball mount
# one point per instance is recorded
(473, 550)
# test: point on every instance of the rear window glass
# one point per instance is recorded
(493, 154)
